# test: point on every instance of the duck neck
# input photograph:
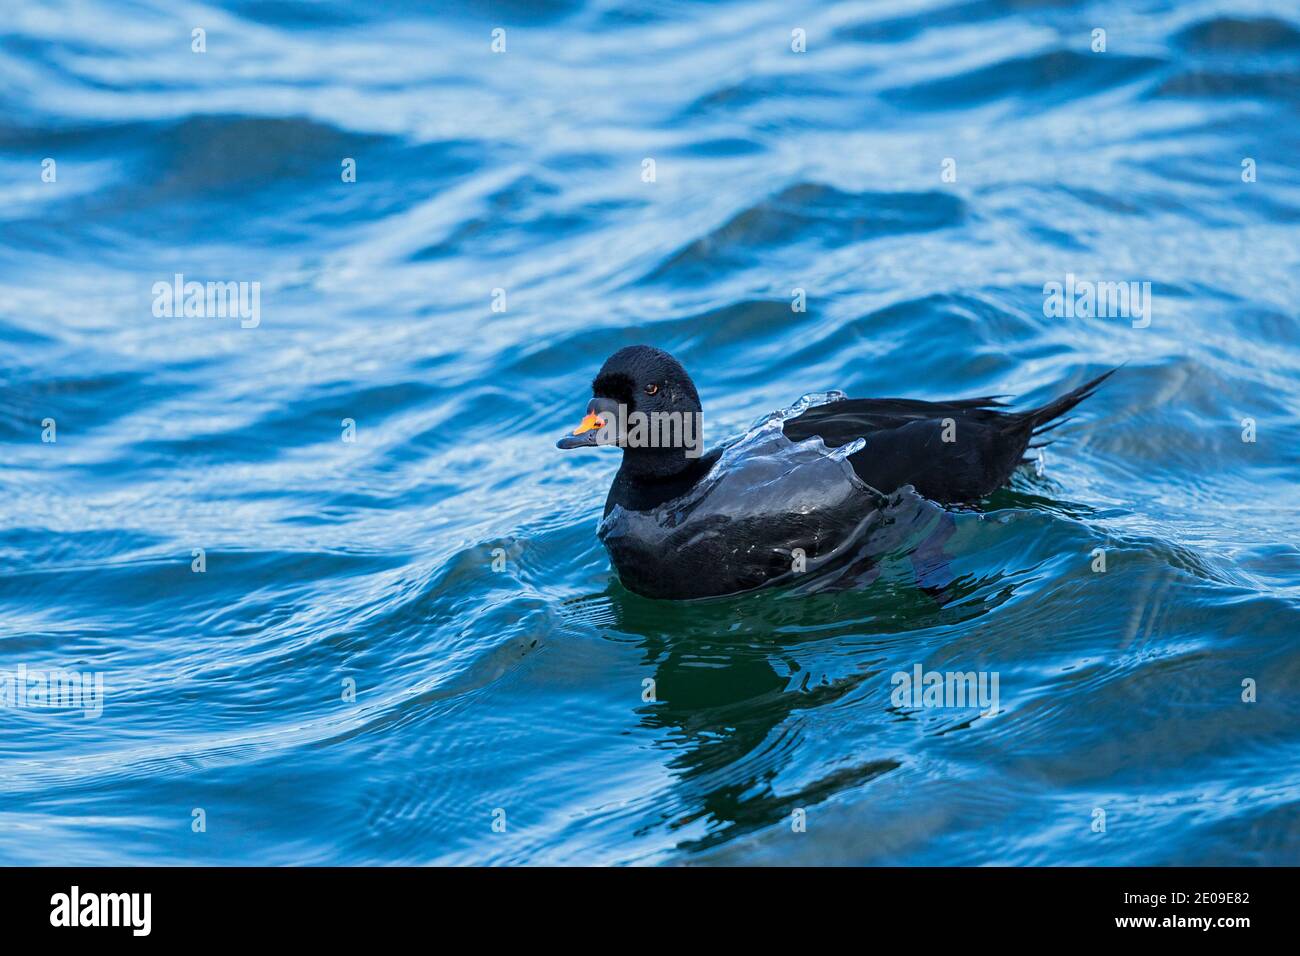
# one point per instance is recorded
(650, 476)
(655, 464)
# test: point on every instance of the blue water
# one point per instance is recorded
(228, 731)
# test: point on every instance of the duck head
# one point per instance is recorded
(643, 402)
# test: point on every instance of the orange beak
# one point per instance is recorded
(602, 413)
(588, 423)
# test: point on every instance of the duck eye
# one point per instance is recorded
(651, 389)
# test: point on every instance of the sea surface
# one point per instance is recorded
(344, 597)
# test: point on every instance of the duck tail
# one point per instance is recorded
(1038, 419)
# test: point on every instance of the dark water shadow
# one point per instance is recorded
(728, 684)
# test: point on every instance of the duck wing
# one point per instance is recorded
(949, 452)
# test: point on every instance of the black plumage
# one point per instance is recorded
(671, 539)
(906, 440)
